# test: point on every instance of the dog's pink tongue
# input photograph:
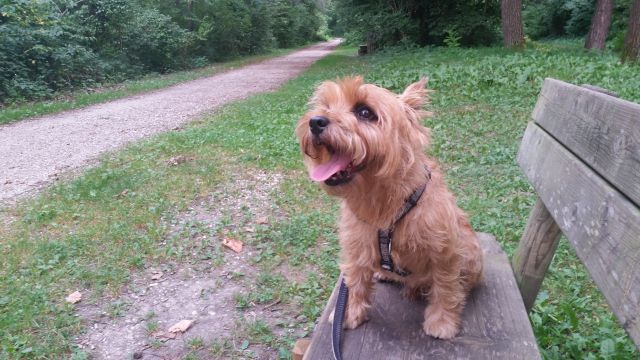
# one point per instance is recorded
(336, 163)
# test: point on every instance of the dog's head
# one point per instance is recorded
(356, 133)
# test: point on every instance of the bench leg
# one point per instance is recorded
(535, 251)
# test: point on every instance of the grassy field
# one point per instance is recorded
(107, 92)
(92, 234)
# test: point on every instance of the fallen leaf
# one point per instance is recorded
(74, 297)
(263, 220)
(123, 193)
(233, 244)
(164, 336)
(181, 326)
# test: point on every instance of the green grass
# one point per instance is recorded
(85, 234)
(103, 93)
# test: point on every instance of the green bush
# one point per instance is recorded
(405, 22)
(126, 33)
(555, 18)
(295, 24)
(40, 52)
(47, 46)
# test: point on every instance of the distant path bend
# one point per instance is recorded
(34, 152)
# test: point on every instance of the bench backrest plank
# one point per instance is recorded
(603, 131)
(582, 156)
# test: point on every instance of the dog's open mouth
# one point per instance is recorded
(341, 177)
(338, 170)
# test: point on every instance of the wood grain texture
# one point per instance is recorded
(601, 130)
(535, 251)
(600, 90)
(601, 223)
(494, 323)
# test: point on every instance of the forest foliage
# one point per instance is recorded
(47, 46)
(382, 23)
(52, 45)
(571, 18)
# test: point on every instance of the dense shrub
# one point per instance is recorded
(40, 52)
(293, 24)
(52, 45)
(133, 37)
(383, 23)
(555, 18)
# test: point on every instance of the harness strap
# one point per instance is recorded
(386, 236)
(384, 243)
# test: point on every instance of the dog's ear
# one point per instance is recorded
(415, 95)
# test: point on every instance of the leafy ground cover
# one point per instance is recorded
(93, 232)
(107, 92)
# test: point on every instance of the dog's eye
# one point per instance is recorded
(363, 112)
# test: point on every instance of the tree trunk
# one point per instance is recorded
(192, 25)
(631, 47)
(512, 23)
(599, 25)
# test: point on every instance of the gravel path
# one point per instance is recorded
(34, 153)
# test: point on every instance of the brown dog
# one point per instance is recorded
(365, 145)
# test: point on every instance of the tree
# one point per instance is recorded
(512, 31)
(599, 25)
(631, 47)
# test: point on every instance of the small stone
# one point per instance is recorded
(74, 297)
(137, 355)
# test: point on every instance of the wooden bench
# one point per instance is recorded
(581, 153)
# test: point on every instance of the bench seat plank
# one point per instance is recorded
(494, 323)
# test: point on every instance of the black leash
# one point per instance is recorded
(386, 262)
(338, 317)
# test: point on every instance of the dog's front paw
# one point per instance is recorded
(380, 277)
(440, 324)
(355, 315)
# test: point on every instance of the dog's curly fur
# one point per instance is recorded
(434, 242)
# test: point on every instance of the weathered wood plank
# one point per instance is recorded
(601, 130)
(535, 251)
(602, 224)
(494, 323)
(599, 89)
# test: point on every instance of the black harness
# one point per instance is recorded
(385, 238)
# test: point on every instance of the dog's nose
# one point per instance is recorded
(318, 124)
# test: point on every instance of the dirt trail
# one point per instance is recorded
(204, 288)
(34, 153)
